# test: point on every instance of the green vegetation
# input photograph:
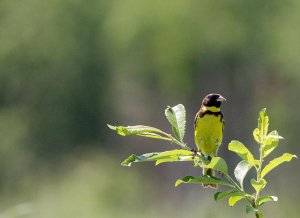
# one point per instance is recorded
(267, 143)
(68, 67)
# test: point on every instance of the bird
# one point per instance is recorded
(209, 125)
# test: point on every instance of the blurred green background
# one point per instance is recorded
(68, 67)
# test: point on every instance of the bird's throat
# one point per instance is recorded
(212, 108)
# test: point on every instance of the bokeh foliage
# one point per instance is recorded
(69, 67)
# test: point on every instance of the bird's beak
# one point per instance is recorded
(221, 98)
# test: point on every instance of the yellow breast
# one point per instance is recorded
(208, 134)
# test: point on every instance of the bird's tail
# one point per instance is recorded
(209, 172)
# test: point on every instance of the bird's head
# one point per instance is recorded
(213, 100)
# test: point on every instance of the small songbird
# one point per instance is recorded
(209, 125)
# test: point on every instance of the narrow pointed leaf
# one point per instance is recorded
(138, 158)
(241, 150)
(233, 199)
(258, 185)
(140, 130)
(176, 117)
(174, 155)
(219, 164)
(264, 199)
(270, 142)
(241, 170)
(227, 194)
(202, 180)
(277, 161)
(263, 124)
(160, 157)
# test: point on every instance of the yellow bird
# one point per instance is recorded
(209, 125)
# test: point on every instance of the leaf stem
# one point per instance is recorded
(181, 144)
(186, 147)
(258, 178)
(236, 186)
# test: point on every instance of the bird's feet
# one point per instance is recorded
(195, 153)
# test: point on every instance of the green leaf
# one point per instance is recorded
(258, 185)
(264, 199)
(202, 180)
(277, 161)
(263, 124)
(174, 155)
(260, 215)
(160, 157)
(241, 150)
(256, 135)
(241, 170)
(140, 130)
(176, 116)
(227, 194)
(270, 142)
(219, 164)
(233, 199)
(250, 209)
(261, 131)
(141, 158)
